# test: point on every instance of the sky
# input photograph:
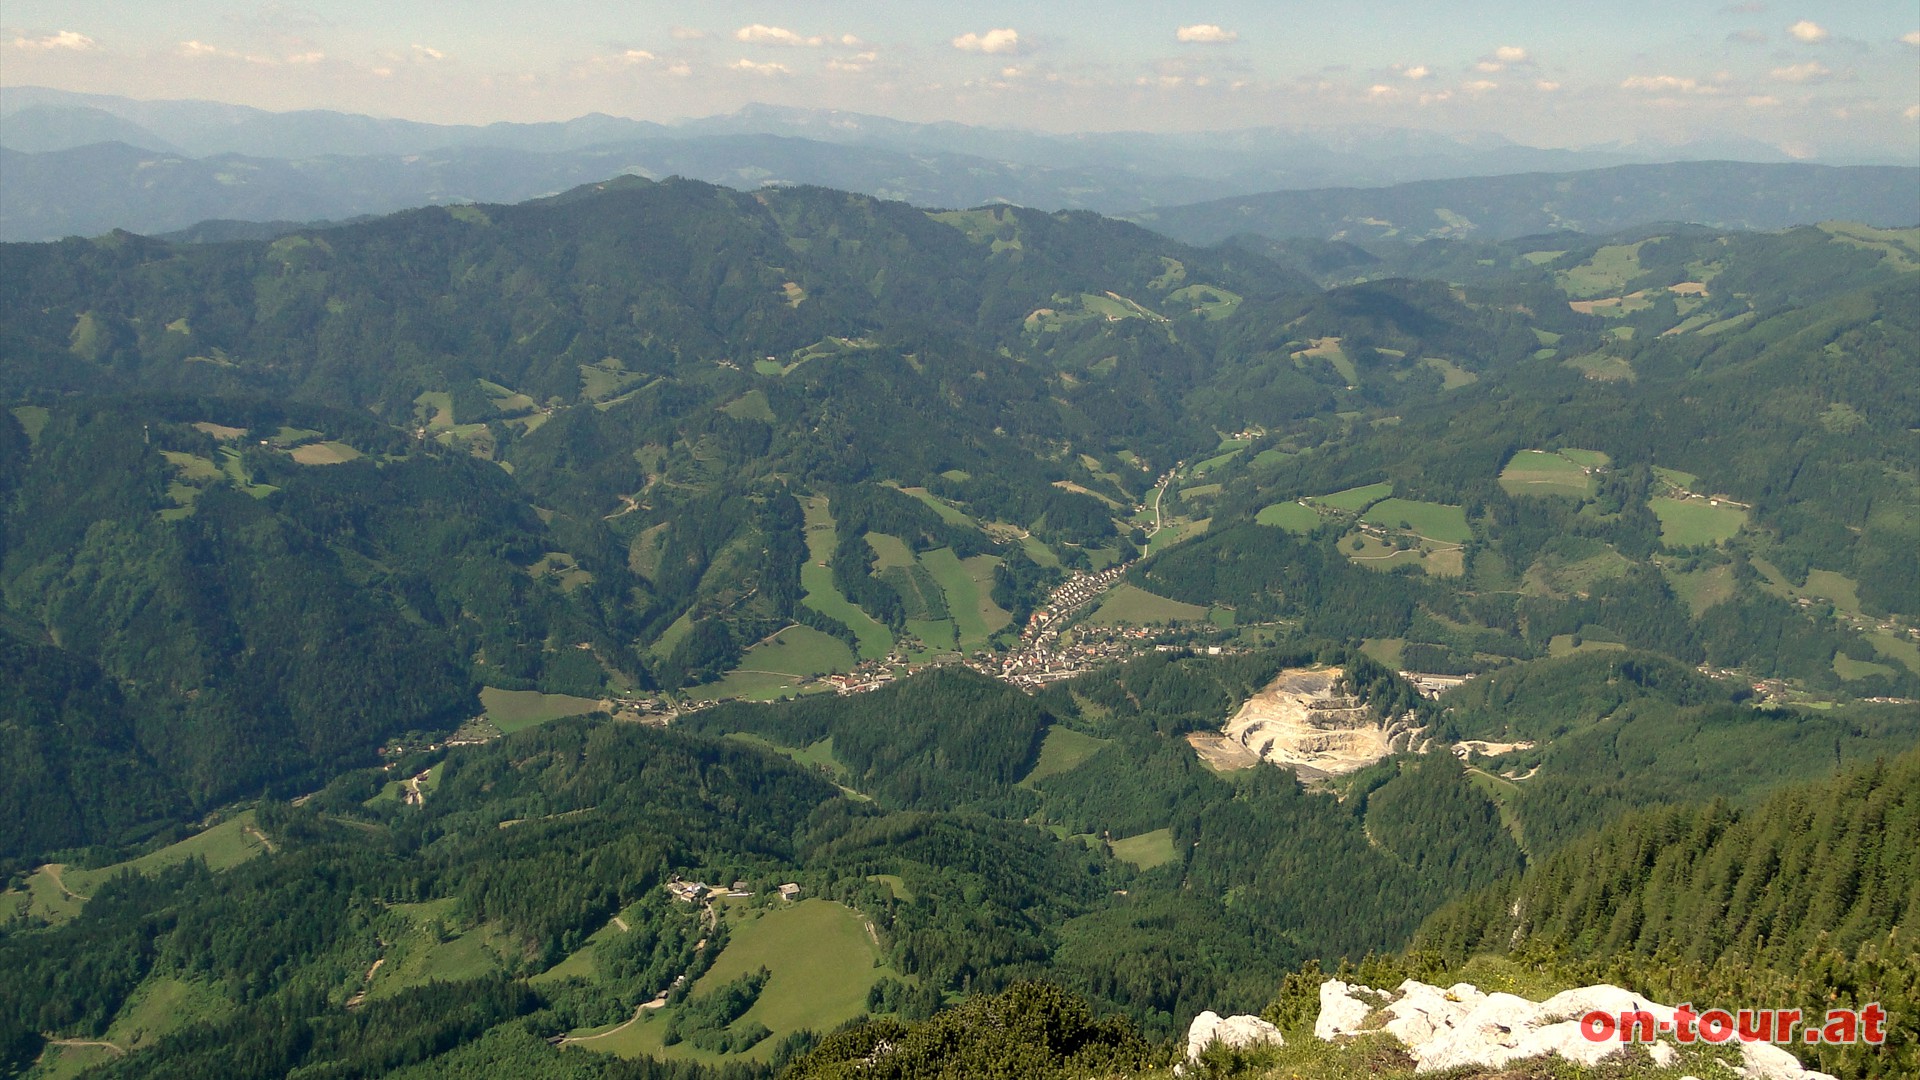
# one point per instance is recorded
(1812, 79)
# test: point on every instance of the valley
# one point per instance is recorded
(397, 616)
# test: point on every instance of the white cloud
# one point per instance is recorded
(758, 34)
(1762, 101)
(638, 56)
(1912, 39)
(71, 40)
(687, 33)
(743, 64)
(1808, 31)
(1668, 84)
(201, 48)
(307, 57)
(1382, 90)
(1912, 113)
(1809, 72)
(1546, 86)
(850, 41)
(1499, 58)
(855, 63)
(1481, 86)
(425, 52)
(1206, 34)
(680, 70)
(1417, 71)
(1003, 40)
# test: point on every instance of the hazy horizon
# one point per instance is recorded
(1813, 81)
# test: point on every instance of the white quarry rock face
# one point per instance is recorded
(1461, 1026)
(1237, 1032)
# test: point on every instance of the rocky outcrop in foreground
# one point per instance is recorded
(1460, 1025)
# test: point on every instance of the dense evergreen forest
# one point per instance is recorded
(278, 517)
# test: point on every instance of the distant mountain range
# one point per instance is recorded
(85, 164)
(1722, 194)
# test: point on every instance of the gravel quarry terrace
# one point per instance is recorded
(1303, 721)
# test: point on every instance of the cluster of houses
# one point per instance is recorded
(1078, 592)
(699, 892)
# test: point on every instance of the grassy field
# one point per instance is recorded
(604, 380)
(1674, 477)
(434, 408)
(1212, 463)
(162, 1005)
(752, 405)
(1898, 248)
(1568, 644)
(1900, 648)
(1538, 472)
(1385, 650)
(33, 420)
(223, 846)
(1702, 589)
(1356, 499)
(1435, 521)
(1573, 568)
(1592, 459)
(937, 638)
(1174, 532)
(1207, 300)
(1452, 375)
(324, 453)
(822, 964)
(968, 587)
(1601, 366)
(1291, 516)
(1063, 751)
(816, 581)
(422, 956)
(1328, 349)
(776, 667)
(1130, 604)
(1376, 554)
(817, 756)
(1147, 850)
(1690, 522)
(515, 710)
(889, 551)
(1605, 274)
(949, 513)
(1848, 668)
(895, 884)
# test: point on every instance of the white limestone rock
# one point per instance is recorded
(1238, 1032)
(1461, 1026)
(1341, 1013)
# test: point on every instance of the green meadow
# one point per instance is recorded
(819, 592)
(1131, 605)
(1694, 522)
(1291, 516)
(516, 710)
(822, 962)
(1435, 521)
(1357, 498)
(1540, 472)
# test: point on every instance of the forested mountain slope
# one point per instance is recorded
(621, 439)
